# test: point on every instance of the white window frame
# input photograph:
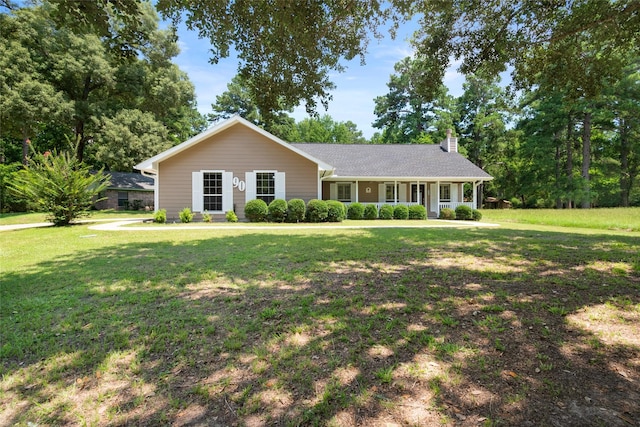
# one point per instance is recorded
(198, 195)
(345, 186)
(446, 187)
(273, 195)
(221, 195)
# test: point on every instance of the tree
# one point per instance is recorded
(237, 99)
(80, 78)
(127, 138)
(60, 185)
(325, 130)
(406, 114)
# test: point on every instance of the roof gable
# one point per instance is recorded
(151, 165)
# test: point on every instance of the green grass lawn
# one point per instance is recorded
(626, 219)
(483, 326)
(35, 217)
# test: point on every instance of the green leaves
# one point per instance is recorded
(60, 185)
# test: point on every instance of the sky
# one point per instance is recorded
(355, 90)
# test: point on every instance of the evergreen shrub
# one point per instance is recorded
(160, 216)
(386, 212)
(317, 210)
(355, 211)
(417, 212)
(447, 213)
(401, 212)
(256, 210)
(296, 210)
(336, 211)
(464, 212)
(278, 210)
(186, 215)
(370, 211)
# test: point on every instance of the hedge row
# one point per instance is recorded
(462, 212)
(369, 211)
(316, 210)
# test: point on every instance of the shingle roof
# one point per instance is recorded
(394, 160)
(130, 181)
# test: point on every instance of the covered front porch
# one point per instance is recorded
(434, 195)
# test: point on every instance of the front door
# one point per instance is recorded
(414, 194)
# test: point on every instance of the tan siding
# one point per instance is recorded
(368, 197)
(237, 150)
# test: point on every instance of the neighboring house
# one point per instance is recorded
(128, 191)
(235, 161)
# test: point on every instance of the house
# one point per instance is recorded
(128, 191)
(235, 161)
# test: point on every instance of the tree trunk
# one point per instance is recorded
(570, 163)
(625, 175)
(25, 147)
(558, 173)
(586, 160)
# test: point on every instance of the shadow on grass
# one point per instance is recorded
(358, 327)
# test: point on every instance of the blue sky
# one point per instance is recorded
(355, 90)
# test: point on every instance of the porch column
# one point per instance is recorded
(395, 192)
(418, 192)
(475, 195)
(438, 198)
(357, 195)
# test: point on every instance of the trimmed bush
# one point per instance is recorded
(476, 215)
(317, 210)
(447, 213)
(401, 212)
(186, 215)
(386, 212)
(370, 211)
(160, 216)
(296, 210)
(336, 211)
(417, 212)
(278, 210)
(464, 212)
(355, 211)
(231, 216)
(256, 210)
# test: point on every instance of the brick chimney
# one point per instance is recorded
(450, 144)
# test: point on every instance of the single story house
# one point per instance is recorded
(128, 191)
(235, 161)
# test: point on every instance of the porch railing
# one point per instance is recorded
(454, 205)
(378, 204)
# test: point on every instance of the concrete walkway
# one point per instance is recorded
(127, 225)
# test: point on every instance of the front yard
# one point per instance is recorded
(519, 325)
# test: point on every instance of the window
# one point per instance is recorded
(344, 192)
(212, 191)
(266, 186)
(123, 199)
(445, 193)
(390, 195)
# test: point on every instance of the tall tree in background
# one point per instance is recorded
(324, 129)
(578, 46)
(86, 79)
(405, 114)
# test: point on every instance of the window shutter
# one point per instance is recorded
(250, 188)
(433, 200)
(281, 189)
(197, 198)
(333, 191)
(402, 197)
(227, 191)
(382, 193)
(353, 192)
(454, 192)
